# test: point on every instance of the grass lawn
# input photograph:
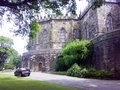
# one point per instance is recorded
(59, 73)
(6, 70)
(8, 82)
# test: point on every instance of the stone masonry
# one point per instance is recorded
(46, 47)
(101, 26)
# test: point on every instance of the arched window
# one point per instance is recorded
(109, 23)
(45, 37)
(62, 35)
(90, 31)
(76, 33)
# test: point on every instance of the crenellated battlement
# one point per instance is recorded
(54, 17)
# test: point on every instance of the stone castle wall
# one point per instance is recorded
(58, 25)
(47, 45)
(95, 22)
(102, 26)
(106, 53)
(108, 10)
(52, 37)
(89, 24)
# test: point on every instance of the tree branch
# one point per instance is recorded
(14, 5)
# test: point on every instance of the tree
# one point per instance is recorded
(97, 3)
(5, 45)
(24, 12)
(7, 52)
(16, 59)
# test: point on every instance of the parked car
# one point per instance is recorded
(22, 72)
(1, 69)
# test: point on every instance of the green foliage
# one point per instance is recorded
(60, 72)
(15, 59)
(97, 3)
(78, 71)
(9, 82)
(69, 60)
(60, 65)
(7, 52)
(8, 66)
(5, 42)
(76, 52)
(34, 29)
(74, 71)
(5, 49)
(92, 72)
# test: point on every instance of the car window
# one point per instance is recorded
(23, 68)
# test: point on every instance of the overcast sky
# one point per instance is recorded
(19, 42)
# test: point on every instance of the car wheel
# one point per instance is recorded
(19, 75)
(28, 74)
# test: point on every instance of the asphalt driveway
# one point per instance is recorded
(84, 84)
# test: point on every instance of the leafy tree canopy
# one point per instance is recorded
(6, 50)
(15, 60)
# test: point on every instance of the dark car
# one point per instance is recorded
(22, 72)
(1, 69)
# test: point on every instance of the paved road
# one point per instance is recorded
(84, 84)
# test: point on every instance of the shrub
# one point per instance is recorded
(103, 74)
(83, 72)
(74, 71)
(93, 73)
(77, 71)
(76, 52)
(60, 65)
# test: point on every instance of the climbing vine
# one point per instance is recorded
(34, 29)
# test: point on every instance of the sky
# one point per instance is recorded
(20, 42)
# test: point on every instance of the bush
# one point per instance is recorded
(60, 65)
(77, 71)
(74, 71)
(93, 73)
(83, 72)
(103, 74)
(76, 52)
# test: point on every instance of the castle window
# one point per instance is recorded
(62, 35)
(76, 34)
(109, 23)
(90, 31)
(45, 37)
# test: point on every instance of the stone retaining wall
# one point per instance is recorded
(106, 52)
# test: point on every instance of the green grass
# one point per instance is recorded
(7, 70)
(59, 72)
(8, 82)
